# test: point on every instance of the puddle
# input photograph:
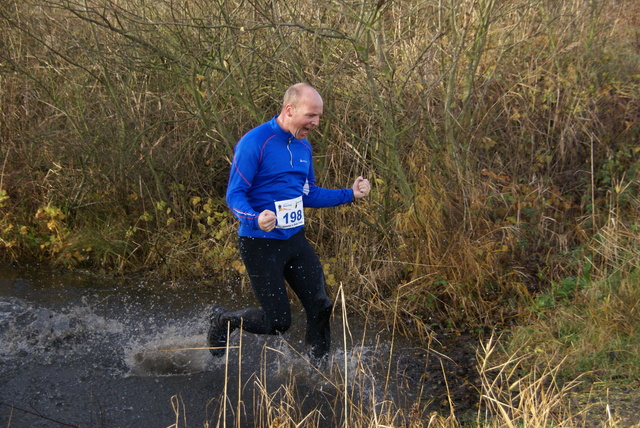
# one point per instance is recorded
(82, 350)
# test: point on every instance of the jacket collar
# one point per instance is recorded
(277, 129)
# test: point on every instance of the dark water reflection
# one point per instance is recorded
(83, 350)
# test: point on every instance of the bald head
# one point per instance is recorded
(295, 93)
(301, 109)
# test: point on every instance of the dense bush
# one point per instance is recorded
(500, 137)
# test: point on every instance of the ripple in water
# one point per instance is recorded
(177, 350)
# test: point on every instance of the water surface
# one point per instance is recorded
(85, 350)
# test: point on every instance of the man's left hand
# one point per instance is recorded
(361, 188)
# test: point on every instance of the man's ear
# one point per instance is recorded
(290, 109)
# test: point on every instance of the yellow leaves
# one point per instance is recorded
(53, 217)
(543, 157)
(330, 278)
(220, 233)
(3, 197)
(78, 256)
(162, 206)
(239, 267)
(221, 257)
(7, 229)
(50, 212)
(146, 216)
(6, 240)
(209, 207)
(130, 232)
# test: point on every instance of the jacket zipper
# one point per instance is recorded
(290, 154)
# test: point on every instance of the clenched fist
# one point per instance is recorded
(361, 188)
(267, 220)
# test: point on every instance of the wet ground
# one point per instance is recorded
(83, 350)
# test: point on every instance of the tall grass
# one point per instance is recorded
(495, 134)
(351, 390)
(592, 321)
(501, 138)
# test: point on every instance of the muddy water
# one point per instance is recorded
(87, 351)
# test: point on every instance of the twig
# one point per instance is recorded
(38, 414)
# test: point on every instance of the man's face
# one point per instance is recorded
(305, 115)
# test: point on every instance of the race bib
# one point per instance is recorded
(290, 213)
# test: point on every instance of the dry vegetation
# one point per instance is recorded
(501, 138)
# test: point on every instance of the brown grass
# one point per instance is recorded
(500, 138)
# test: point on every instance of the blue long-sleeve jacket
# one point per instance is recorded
(271, 165)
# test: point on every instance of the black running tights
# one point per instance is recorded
(269, 263)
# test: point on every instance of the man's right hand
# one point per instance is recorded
(267, 220)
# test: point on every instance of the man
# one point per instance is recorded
(271, 182)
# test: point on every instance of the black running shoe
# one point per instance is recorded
(217, 337)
